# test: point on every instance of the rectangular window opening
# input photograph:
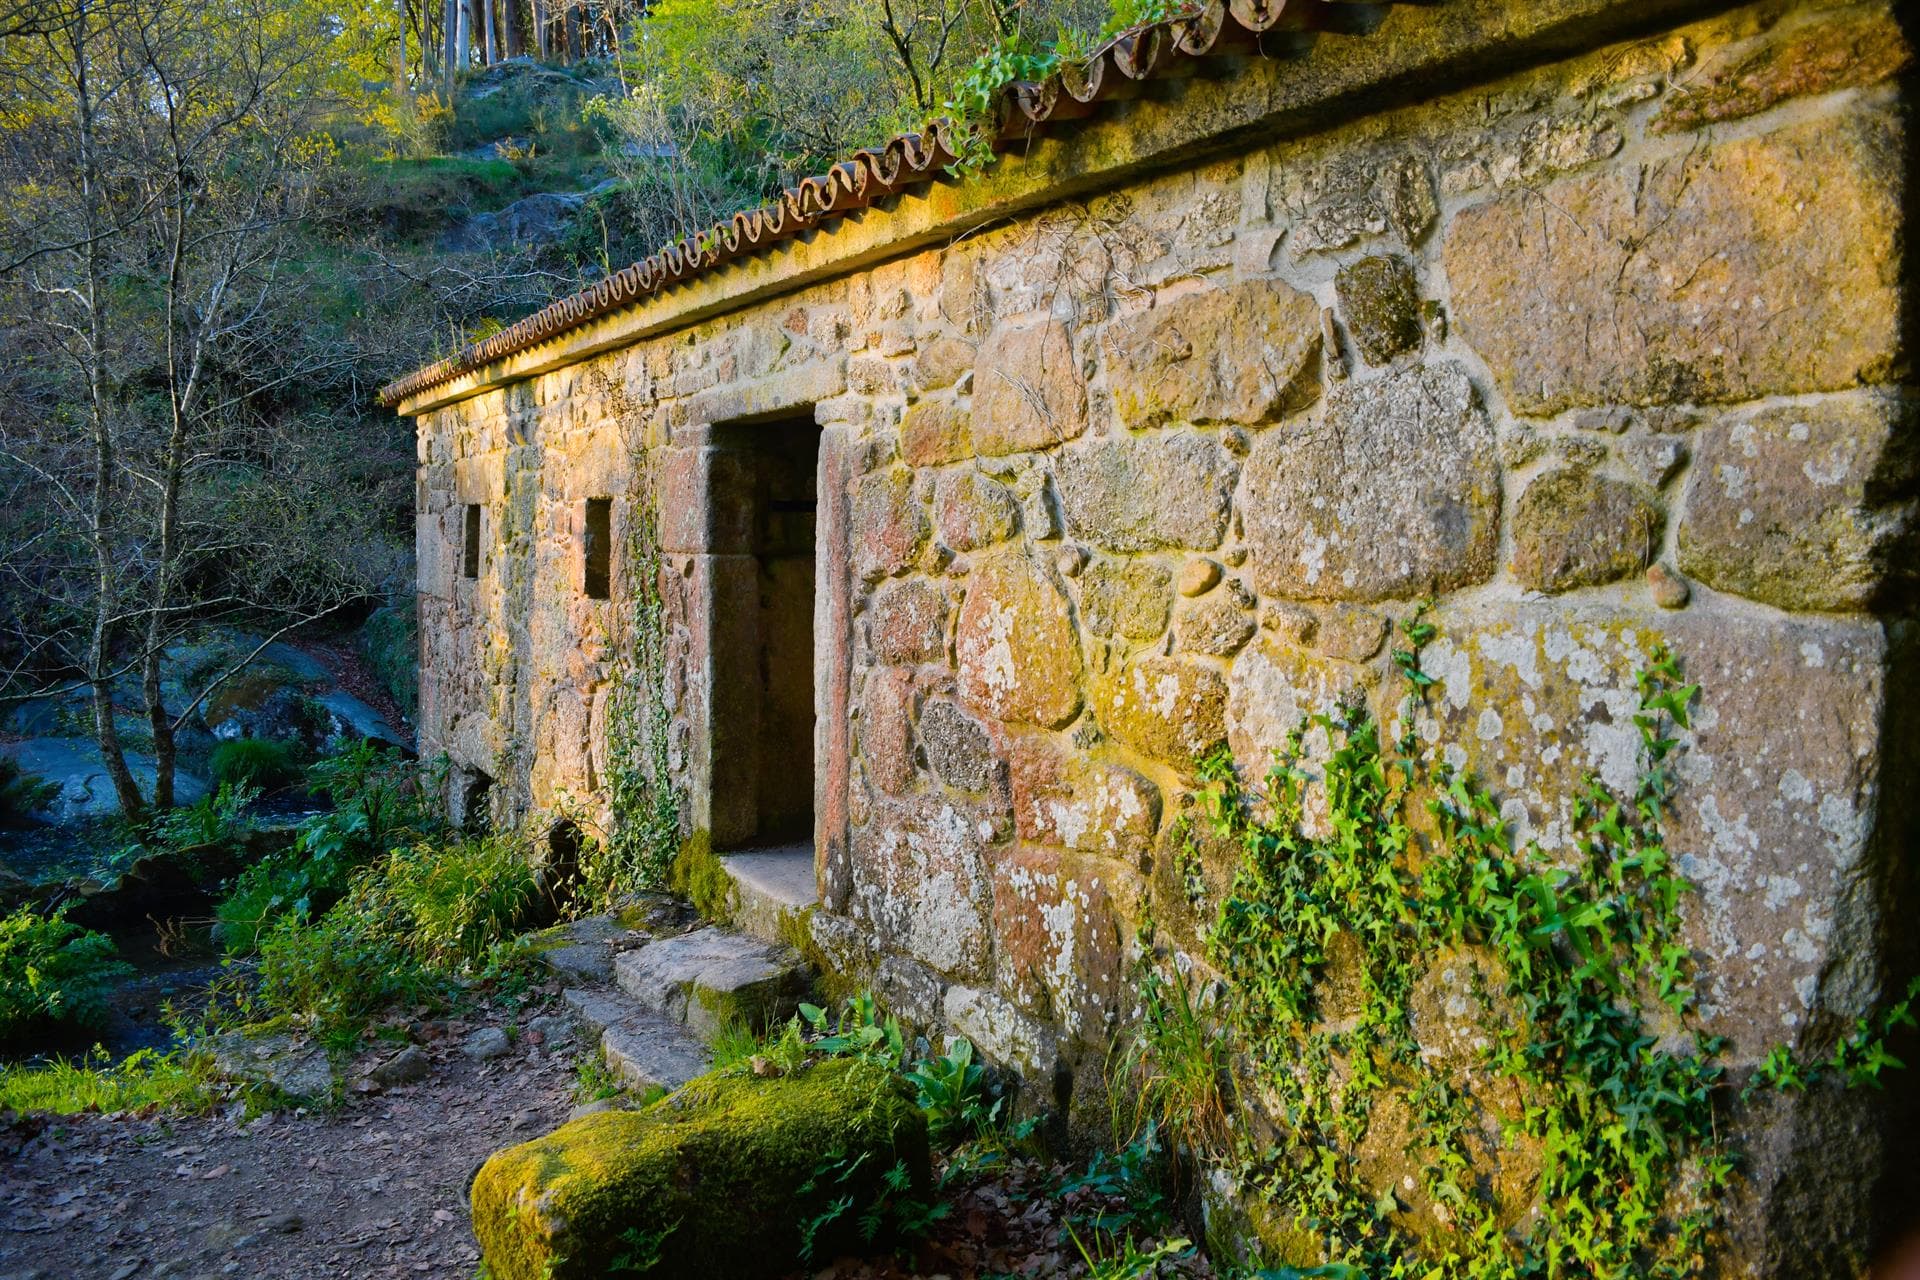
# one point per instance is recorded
(599, 548)
(470, 552)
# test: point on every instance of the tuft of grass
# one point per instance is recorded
(254, 762)
(411, 929)
(461, 897)
(737, 1044)
(592, 1081)
(276, 888)
(336, 972)
(172, 1081)
(734, 1044)
(1178, 1064)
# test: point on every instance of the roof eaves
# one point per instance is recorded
(1024, 111)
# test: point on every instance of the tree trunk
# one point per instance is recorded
(451, 34)
(100, 641)
(430, 42)
(572, 15)
(493, 38)
(510, 19)
(400, 56)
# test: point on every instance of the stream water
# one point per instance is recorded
(172, 961)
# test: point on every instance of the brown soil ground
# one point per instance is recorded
(376, 1189)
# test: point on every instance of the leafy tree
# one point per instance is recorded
(728, 101)
(157, 161)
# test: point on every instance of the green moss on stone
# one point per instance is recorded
(1381, 299)
(698, 875)
(707, 1182)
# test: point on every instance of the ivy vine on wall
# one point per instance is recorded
(1576, 1135)
(644, 802)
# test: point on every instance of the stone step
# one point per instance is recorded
(641, 1048)
(773, 889)
(580, 952)
(714, 978)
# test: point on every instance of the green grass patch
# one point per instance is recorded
(171, 1081)
(336, 972)
(460, 898)
(415, 928)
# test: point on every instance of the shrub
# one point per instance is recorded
(403, 929)
(733, 1176)
(282, 886)
(218, 819)
(257, 762)
(381, 801)
(21, 792)
(53, 972)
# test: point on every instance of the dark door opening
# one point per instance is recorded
(763, 663)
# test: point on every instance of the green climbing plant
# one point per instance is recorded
(1016, 55)
(638, 848)
(1592, 1076)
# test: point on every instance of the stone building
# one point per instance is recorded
(986, 506)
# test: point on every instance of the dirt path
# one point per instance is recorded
(375, 1190)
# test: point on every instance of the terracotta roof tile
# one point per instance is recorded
(908, 160)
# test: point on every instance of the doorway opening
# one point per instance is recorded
(765, 477)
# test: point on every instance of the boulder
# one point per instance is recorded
(536, 220)
(86, 792)
(1381, 299)
(920, 880)
(1144, 493)
(1170, 709)
(1246, 353)
(1803, 506)
(409, 1066)
(486, 1043)
(907, 622)
(299, 1070)
(718, 1180)
(1131, 598)
(1015, 643)
(1028, 391)
(1574, 529)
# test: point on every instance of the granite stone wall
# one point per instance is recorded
(1608, 353)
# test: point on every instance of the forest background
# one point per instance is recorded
(225, 223)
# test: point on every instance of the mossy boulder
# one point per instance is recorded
(717, 1180)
